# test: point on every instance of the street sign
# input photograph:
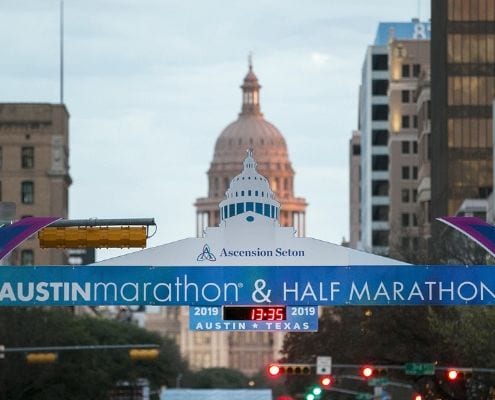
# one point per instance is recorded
(258, 318)
(419, 369)
(378, 382)
(323, 365)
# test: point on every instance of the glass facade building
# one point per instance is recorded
(462, 92)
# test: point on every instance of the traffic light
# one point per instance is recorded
(417, 396)
(41, 358)
(275, 370)
(326, 381)
(93, 236)
(453, 374)
(316, 390)
(369, 371)
(143, 354)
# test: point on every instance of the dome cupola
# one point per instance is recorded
(251, 93)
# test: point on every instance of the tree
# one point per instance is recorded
(77, 374)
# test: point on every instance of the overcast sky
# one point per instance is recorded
(150, 84)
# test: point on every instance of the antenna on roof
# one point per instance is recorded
(250, 60)
(61, 51)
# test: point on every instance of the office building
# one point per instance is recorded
(407, 59)
(374, 129)
(34, 170)
(462, 92)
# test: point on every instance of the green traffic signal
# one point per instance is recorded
(310, 396)
(316, 391)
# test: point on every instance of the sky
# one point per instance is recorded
(151, 84)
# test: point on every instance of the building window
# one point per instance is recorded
(379, 112)
(415, 147)
(405, 173)
(405, 121)
(405, 147)
(380, 163)
(405, 196)
(416, 70)
(415, 173)
(27, 257)
(405, 71)
(379, 62)
(484, 191)
(379, 87)
(356, 149)
(379, 137)
(404, 219)
(414, 220)
(415, 195)
(380, 238)
(27, 157)
(380, 213)
(405, 96)
(415, 121)
(27, 192)
(379, 188)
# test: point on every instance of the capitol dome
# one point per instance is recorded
(267, 145)
(250, 130)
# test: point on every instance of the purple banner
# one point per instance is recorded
(474, 228)
(13, 235)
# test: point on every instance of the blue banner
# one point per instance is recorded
(216, 286)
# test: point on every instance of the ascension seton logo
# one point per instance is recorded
(206, 254)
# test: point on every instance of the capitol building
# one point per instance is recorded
(251, 131)
(250, 175)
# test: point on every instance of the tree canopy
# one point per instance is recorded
(77, 374)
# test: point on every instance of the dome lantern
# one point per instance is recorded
(251, 93)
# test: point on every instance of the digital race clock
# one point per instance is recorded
(254, 313)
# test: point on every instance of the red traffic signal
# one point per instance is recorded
(369, 371)
(366, 372)
(454, 375)
(273, 370)
(326, 381)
